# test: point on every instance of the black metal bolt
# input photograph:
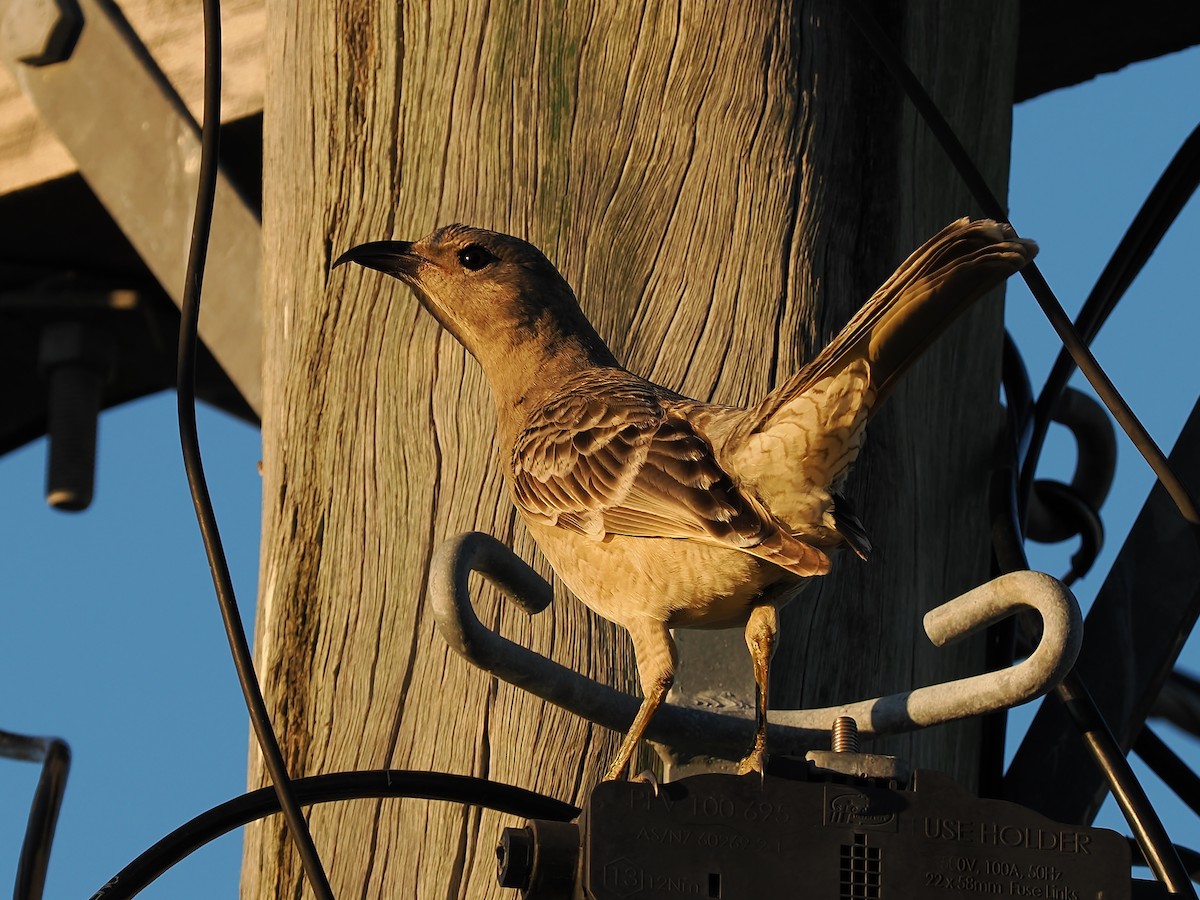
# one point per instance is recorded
(541, 859)
(514, 858)
(76, 360)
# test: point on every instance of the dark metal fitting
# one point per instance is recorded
(541, 859)
(514, 858)
(870, 766)
(76, 359)
(74, 342)
(843, 757)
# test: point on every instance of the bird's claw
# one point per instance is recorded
(755, 761)
(647, 777)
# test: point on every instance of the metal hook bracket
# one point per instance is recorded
(792, 732)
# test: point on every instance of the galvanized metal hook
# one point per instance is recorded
(727, 734)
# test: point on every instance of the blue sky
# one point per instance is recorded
(1084, 160)
(111, 635)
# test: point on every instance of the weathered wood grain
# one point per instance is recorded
(723, 191)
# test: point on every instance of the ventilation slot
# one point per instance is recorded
(860, 870)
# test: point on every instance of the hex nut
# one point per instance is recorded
(40, 32)
(74, 342)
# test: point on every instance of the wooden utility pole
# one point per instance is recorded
(723, 188)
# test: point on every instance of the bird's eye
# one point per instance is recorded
(474, 257)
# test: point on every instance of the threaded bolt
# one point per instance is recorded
(845, 735)
(76, 359)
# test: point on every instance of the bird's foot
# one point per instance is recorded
(755, 761)
(647, 777)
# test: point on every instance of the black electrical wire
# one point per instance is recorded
(1018, 398)
(1147, 828)
(1041, 290)
(1068, 506)
(258, 804)
(189, 439)
(1001, 638)
(55, 757)
(1152, 838)
(1179, 702)
(1073, 694)
(1173, 190)
(1167, 765)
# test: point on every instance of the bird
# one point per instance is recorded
(659, 511)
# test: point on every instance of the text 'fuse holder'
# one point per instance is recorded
(732, 837)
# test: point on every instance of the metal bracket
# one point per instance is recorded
(792, 732)
(138, 148)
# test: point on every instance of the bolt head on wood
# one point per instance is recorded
(40, 32)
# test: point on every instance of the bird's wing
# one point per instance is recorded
(800, 455)
(931, 288)
(795, 447)
(620, 458)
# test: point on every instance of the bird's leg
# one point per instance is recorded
(650, 703)
(760, 638)
(655, 652)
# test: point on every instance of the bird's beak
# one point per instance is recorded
(395, 258)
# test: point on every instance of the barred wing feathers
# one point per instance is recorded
(615, 455)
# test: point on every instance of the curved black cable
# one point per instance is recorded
(189, 439)
(1018, 396)
(1093, 731)
(1152, 838)
(1174, 188)
(1166, 764)
(1001, 638)
(1056, 511)
(258, 804)
(1080, 706)
(1179, 702)
(1095, 465)
(55, 757)
(1038, 286)
(1066, 506)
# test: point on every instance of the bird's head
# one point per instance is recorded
(495, 293)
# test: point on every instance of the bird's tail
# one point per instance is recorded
(928, 291)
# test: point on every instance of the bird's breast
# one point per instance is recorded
(682, 583)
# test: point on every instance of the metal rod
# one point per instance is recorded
(727, 735)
